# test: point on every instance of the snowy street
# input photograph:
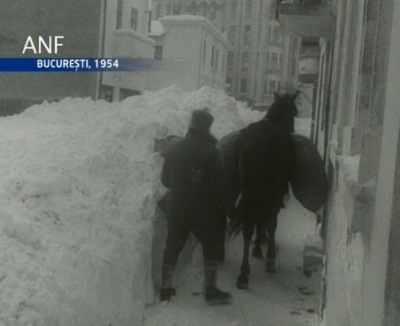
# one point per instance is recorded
(286, 298)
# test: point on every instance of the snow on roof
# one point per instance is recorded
(184, 17)
(201, 20)
(157, 28)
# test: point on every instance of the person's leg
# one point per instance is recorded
(178, 234)
(207, 235)
(221, 230)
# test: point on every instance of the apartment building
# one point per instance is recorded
(259, 59)
(192, 53)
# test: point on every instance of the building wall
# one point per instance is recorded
(357, 127)
(194, 55)
(266, 48)
(127, 26)
(20, 19)
(211, 9)
(250, 77)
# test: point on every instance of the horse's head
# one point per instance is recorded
(283, 111)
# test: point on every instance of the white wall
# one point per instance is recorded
(184, 62)
(127, 42)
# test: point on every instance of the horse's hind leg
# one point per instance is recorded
(261, 237)
(243, 279)
(272, 221)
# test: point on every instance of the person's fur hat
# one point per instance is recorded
(201, 121)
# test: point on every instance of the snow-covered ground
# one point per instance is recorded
(286, 298)
(78, 186)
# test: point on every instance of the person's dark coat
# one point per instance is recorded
(192, 172)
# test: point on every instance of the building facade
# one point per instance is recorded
(192, 53)
(126, 28)
(261, 59)
(356, 126)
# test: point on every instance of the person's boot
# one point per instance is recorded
(212, 294)
(270, 265)
(167, 293)
(167, 274)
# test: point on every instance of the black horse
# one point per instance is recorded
(265, 156)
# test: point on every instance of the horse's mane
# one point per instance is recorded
(283, 111)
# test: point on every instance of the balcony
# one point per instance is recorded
(313, 18)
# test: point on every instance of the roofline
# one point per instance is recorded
(198, 21)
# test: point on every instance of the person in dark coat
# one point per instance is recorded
(192, 172)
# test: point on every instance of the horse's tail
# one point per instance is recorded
(235, 227)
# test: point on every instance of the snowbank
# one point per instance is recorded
(79, 181)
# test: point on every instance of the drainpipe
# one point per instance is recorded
(99, 77)
(238, 46)
(201, 57)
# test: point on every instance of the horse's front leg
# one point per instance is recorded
(261, 237)
(272, 221)
(243, 279)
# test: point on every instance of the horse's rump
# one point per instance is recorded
(266, 157)
(228, 152)
(309, 181)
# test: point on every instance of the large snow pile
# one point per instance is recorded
(79, 181)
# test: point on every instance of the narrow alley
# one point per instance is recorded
(286, 298)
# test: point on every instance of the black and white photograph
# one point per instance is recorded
(199, 162)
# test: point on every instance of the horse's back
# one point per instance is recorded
(266, 154)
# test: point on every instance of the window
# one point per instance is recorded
(212, 55)
(203, 8)
(280, 61)
(271, 87)
(245, 60)
(204, 51)
(249, 6)
(274, 36)
(158, 52)
(216, 58)
(234, 9)
(177, 9)
(274, 61)
(243, 86)
(119, 14)
(228, 87)
(158, 10)
(230, 61)
(232, 34)
(247, 30)
(193, 8)
(213, 10)
(169, 8)
(134, 18)
(267, 60)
